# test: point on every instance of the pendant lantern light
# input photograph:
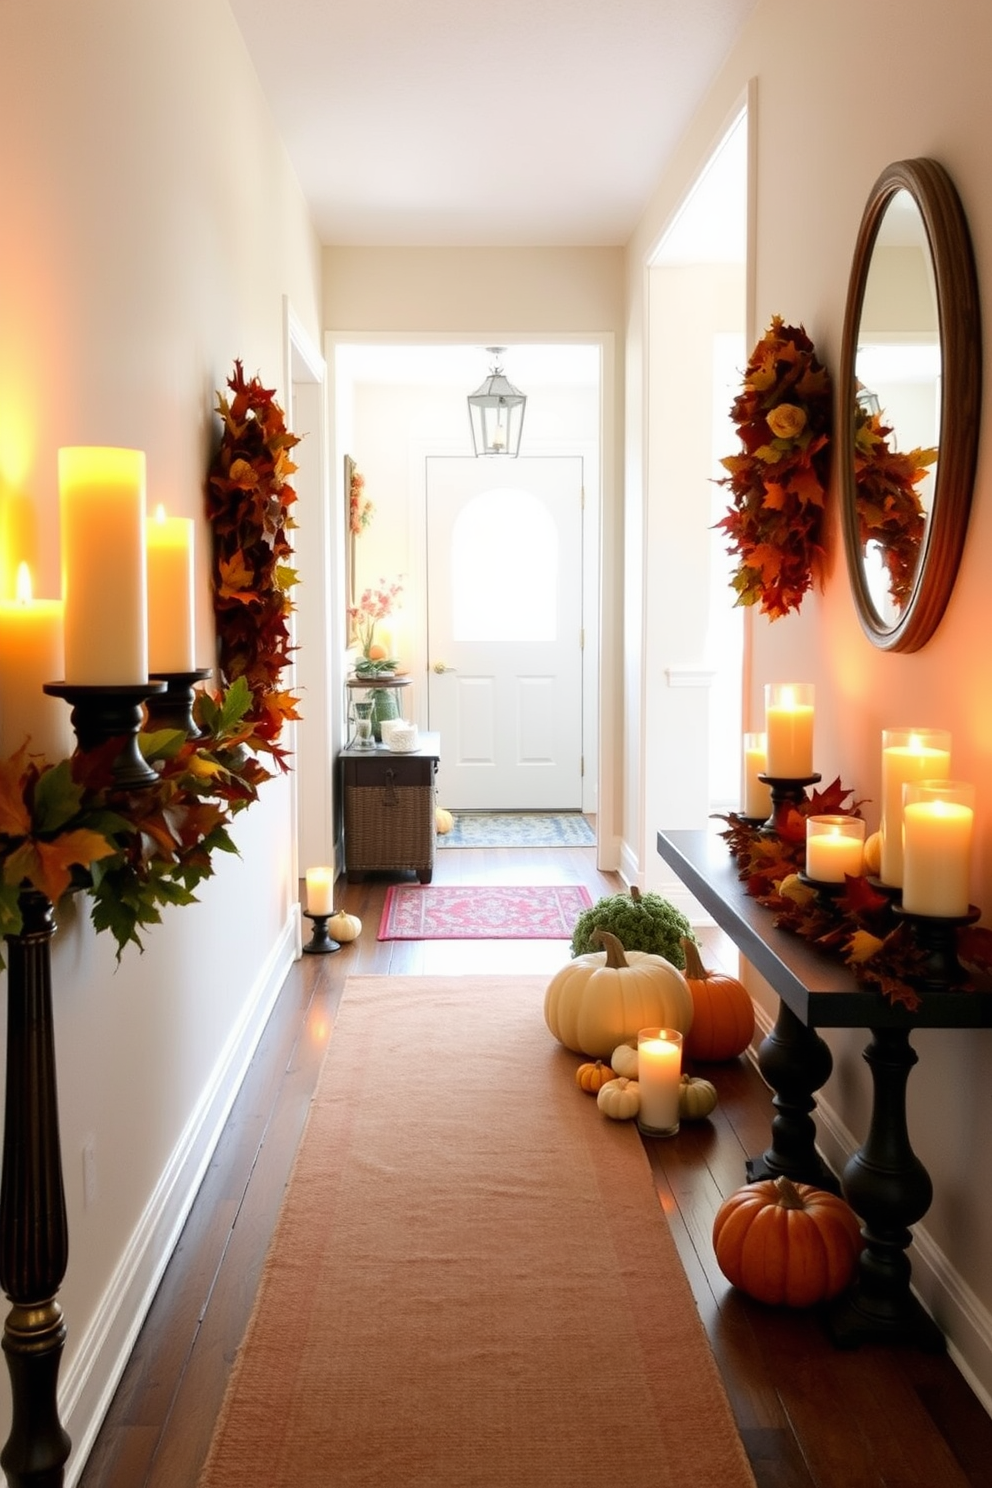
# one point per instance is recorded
(496, 412)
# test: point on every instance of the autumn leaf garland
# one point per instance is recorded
(778, 481)
(68, 827)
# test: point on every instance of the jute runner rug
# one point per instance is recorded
(471, 1284)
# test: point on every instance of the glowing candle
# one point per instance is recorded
(908, 756)
(659, 1073)
(938, 821)
(102, 495)
(789, 729)
(171, 628)
(834, 847)
(30, 655)
(757, 795)
(320, 891)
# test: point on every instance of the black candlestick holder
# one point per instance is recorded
(786, 794)
(824, 888)
(173, 708)
(101, 713)
(320, 943)
(937, 937)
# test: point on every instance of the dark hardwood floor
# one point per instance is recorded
(810, 1416)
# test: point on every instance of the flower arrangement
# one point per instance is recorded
(67, 827)
(360, 508)
(890, 513)
(778, 480)
(373, 605)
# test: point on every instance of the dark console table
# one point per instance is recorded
(884, 1181)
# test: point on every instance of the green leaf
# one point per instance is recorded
(57, 798)
(162, 744)
(236, 702)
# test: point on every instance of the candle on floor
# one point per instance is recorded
(938, 824)
(320, 891)
(31, 654)
(757, 795)
(171, 626)
(908, 755)
(834, 848)
(789, 729)
(102, 494)
(659, 1074)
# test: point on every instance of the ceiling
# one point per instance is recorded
(449, 123)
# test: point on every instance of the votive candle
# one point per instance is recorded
(789, 730)
(659, 1074)
(909, 755)
(102, 496)
(320, 891)
(757, 795)
(31, 653)
(938, 824)
(171, 626)
(834, 848)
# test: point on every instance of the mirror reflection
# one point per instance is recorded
(897, 410)
(910, 380)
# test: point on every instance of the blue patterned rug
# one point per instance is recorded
(518, 829)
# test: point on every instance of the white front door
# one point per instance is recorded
(504, 631)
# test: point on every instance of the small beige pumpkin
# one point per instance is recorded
(443, 820)
(697, 1098)
(344, 927)
(872, 859)
(601, 999)
(624, 1061)
(619, 1099)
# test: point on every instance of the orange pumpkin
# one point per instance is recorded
(787, 1244)
(722, 1012)
(590, 1077)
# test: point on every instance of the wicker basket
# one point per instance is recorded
(390, 826)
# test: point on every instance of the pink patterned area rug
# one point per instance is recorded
(487, 912)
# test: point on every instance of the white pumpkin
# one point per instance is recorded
(623, 1061)
(619, 1099)
(344, 927)
(602, 999)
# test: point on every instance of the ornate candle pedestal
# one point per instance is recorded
(100, 714)
(786, 794)
(173, 708)
(320, 943)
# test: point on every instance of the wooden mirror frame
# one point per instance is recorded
(959, 324)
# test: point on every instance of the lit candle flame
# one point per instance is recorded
(23, 593)
(160, 513)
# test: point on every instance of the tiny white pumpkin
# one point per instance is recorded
(344, 927)
(619, 1099)
(624, 1061)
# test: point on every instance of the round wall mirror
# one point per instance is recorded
(909, 399)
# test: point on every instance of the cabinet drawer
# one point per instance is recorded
(390, 769)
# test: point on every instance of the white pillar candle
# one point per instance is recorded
(171, 627)
(31, 654)
(102, 493)
(938, 823)
(757, 795)
(834, 848)
(908, 756)
(659, 1073)
(789, 729)
(320, 891)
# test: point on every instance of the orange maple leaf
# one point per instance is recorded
(15, 820)
(49, 864)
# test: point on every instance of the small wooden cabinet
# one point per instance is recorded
(389, 809)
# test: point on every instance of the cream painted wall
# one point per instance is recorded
(831, 114)
(150, 229)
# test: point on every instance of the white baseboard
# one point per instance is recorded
(965, 1321)
(88, 1386)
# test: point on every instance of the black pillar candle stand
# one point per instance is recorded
(936, 936)
(173, 708)
(34, 1242)
(100, 714)
(786, 793)
(320, 943)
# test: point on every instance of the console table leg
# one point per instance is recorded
(887, 1185)
(795, 1061)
